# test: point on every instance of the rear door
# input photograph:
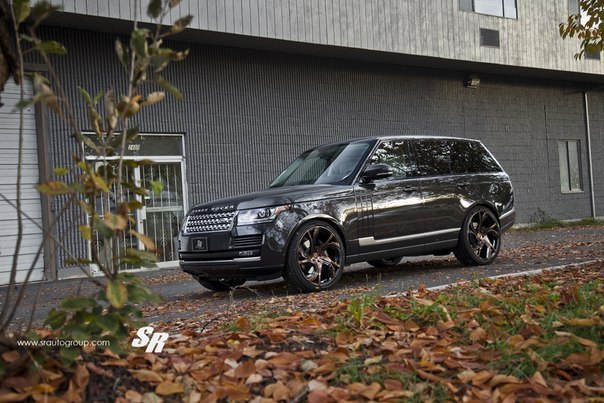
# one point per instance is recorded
(444, 190)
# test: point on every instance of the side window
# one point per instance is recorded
(472, 157)
(397, 154)
(433, 157)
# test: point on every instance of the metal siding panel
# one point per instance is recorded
(221, 24)
(10, 132)
(254, 25)
(262, 18)
(271, 18)
(212, 14)
(279, 15)
(246, 17)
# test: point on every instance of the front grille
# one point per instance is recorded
(246, 241)
(200, 221)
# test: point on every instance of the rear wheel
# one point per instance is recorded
(315, 258)
(479, 238)
(220, 284)
(385, 262)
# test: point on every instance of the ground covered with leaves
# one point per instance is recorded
(508, 339)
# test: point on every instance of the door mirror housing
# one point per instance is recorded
(376, 171)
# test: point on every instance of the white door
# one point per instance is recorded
(9, 146)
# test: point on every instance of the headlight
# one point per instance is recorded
(259, 215)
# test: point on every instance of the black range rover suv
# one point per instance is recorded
(373, 200)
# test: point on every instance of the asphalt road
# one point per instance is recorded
(185, 298)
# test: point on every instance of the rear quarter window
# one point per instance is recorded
(446, 157)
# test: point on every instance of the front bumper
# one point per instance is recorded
(247, 252)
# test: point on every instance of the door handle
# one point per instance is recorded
(409, 189)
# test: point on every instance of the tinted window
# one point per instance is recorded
(474, 157)
(331, 164)
(444, 157)
(433, 157)
(397, 154)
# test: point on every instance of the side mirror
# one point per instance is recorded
(376, 171)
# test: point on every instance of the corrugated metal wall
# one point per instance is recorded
(247, 113)
(419, 27)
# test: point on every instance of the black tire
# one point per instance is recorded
(385, 262)
(315, 258)
(220, 284)
(479, 239)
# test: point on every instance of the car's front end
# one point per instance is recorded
(226, 241)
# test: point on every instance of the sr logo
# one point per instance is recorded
(153, 341)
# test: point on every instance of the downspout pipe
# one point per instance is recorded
(589, 157)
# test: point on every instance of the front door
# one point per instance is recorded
(396, 202)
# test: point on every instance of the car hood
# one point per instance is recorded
(277, 196)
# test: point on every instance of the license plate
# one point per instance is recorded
(200, 244)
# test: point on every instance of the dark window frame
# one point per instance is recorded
(470, 6)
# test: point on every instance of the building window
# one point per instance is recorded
(498, 8)
(575, 8)
(570, 166)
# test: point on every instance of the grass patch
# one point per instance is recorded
(541, 220)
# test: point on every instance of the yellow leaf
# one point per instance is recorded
(117, 293)
(148, 242)
(169, 388)
(115, 221)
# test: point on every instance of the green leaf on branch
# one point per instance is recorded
(140, 257)
(102, 229)
(86, 232)
(22, 9)
(154, 8)
(166, 85)
(52, 48)
(135, 205)
(122, 53)
(99, 182)
(138, 42)
(117, 293)
(55, 319)
(60, 171)
(77, 303)
(108, 322)
(85, 95)
(157, 187)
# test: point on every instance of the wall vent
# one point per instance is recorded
(489, 37)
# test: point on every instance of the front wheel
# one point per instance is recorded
(315, 258)
(220, 284)
(479, 238)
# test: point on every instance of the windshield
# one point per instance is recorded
(333, 165)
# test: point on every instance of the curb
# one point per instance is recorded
(518, 274)
(510, 275)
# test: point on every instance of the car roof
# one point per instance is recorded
(397, 137)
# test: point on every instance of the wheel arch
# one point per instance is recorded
(319, 217)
